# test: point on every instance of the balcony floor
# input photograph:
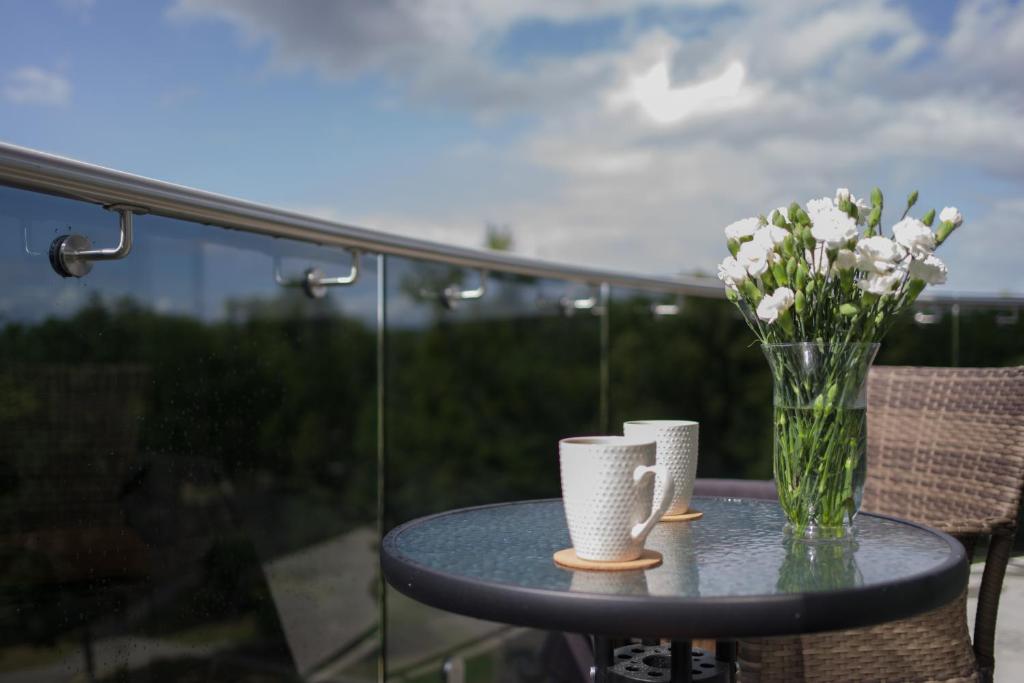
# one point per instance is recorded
(1010, 624)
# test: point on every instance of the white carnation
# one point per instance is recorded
(754, 258)
(817, 259)
(931, 269)
(845, 260)
(742, 228)
(829, 224)
(950, 214)
(772, 305)
(731, 273)
(862, 209)
(915, 237)
(882, 283)
(769, 236)
(878, 254)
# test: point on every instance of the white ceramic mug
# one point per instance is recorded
(608, 495)
(677, 451)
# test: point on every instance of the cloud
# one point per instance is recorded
(34, 85)
(672, 130)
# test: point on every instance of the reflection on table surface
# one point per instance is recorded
(738, 548)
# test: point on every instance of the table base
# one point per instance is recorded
(636, 662)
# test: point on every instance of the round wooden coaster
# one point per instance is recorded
(649, 559)
(687, 516)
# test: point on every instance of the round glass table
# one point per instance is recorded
(734, 573)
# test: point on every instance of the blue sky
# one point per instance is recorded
(606, 132)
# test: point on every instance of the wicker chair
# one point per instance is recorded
(945, 448)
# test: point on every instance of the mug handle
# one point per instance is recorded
(663, 496)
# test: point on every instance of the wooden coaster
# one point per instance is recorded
(649, 559)
(687, 516)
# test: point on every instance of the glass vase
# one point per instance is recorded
(820, 434)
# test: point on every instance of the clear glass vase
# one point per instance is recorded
(820, 433)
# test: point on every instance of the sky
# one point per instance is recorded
(609, 133)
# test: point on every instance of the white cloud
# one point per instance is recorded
(34, 85)
(665, 135)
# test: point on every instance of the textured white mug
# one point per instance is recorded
(677, 451)
(608, 495)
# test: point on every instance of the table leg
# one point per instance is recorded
(682, 662)
(603, 656)
(725, 652)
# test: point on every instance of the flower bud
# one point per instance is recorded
(912, 199)
(802, 217)
(929, 218)
(779, 273)
(752, 293)
(876, 197)
(768, 279)
(875, 217)
(801, 301)
(791, 268)
(794, 211)
(848, 310)
(943, 232)
(731, 294)
(810, 287)
(787, 246)
(801, 274)
(786, 321)
(809, 242)
(734, 246)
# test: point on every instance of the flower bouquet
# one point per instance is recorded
(820, 285)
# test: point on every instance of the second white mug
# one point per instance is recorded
(676, 450)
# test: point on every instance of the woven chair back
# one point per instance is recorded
(946, 445)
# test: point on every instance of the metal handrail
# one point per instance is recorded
(51, 174)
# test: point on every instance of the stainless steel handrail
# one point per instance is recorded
(51, 174)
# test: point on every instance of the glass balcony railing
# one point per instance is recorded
(199, 458)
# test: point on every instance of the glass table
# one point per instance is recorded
(734, 573)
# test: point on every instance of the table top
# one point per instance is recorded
(734, 573)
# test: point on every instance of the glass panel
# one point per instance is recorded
(692, 359)
(188, 468)
(956, 335)
(477, 396)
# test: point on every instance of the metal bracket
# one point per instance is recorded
(314, 283)
(1009, 317)
(570, 305)
(928, 316)
(453, 294)
(72, 255)
(665, 310)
